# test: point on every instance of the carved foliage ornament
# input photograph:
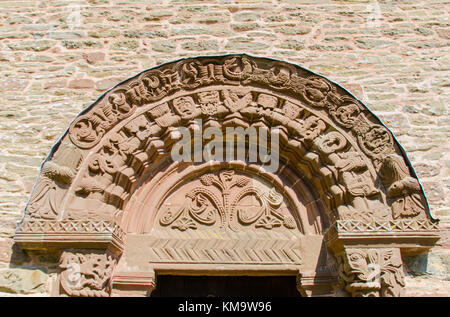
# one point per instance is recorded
(86, 273)
(204, 206)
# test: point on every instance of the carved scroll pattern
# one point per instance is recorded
(204, 207)
(86, 273)
(352, 172)
(371, 272)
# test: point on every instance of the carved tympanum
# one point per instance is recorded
(363, 196)
(86, 273)
(230, 200)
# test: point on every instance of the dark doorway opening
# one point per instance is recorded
(225, 286)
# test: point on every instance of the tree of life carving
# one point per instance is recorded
(240, 203)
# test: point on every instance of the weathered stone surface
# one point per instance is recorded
(106, 83)
(81, 44)
(13, 84)
(373, 43)
(401, 65)
(163, 46)
(5, 250)
(36, 46)
(81, 83)
(426, 287)
(243, 27)
(444, 33)
(200, 45)
(246, 16)
(434, 191)
(296, 30)
(427, 170)
(23, 281)
(293, 44)
(439, 264)
(125, 45)
(103, 33)
(65, 35)
(244, 44)
(94, 57)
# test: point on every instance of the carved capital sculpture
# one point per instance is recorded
(338, 167)
(371, 272)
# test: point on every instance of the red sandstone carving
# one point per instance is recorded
(203, 206)
(333, 153)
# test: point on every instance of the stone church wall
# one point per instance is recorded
(57, 57)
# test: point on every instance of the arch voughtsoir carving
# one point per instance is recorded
(342, 180)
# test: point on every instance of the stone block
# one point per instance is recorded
(81, 44)
(37, 46)
(246, 16)
(65, 35)
(373, 43)
(434, 191)
(245, 44)
(23, 281)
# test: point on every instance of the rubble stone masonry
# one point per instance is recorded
(57, 57)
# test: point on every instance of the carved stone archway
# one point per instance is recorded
(341, 209)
